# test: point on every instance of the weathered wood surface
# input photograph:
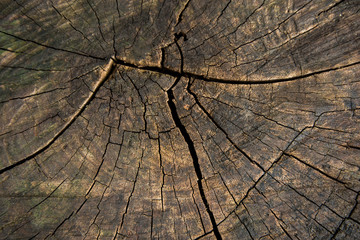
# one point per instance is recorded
(179, 119)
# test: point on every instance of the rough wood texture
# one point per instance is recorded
(135, 119)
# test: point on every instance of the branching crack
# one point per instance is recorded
(105, 76)
(174, 73)
(188, 139)
(190, 145)
(194, 156)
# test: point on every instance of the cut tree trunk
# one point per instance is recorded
(179, 119)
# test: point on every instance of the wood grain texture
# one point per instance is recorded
(179, 119)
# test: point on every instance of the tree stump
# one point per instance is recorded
(181, 119)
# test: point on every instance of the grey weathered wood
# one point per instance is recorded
(179, 119)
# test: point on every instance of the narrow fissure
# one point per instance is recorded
(179, 18)
(52, 47)
(129, 199)
(194, 157)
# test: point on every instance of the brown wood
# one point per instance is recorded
(192, 119)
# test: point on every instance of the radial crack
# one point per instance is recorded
(98, 20)
(347, 217)
(315, 168)
(109, 69)
(48, 195)
(195, 159)
(69, 21)
(179, 18)
(51, 47)
(129, 199)
(187, 138)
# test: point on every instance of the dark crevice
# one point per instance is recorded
(349, 145)
(188, 139)
(227, 188)
(5, 133)
(174, 73)
(70, 22)
(195, 159)
(90, 189)
(293, 189)
(274, 214)
(82, 204)
(102, 158)
(162, 62)
(196, 205)
(284, 230)
(98, 208)
(33, 237)
(117, 8)
(189, 142)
